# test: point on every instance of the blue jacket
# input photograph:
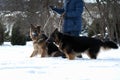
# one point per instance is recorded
(73, 10)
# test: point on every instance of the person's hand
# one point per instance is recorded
(51, 7)
(62, 15)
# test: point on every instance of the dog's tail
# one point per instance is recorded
(109, 45)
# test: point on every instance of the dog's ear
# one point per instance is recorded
(32, 26)
(38, 27)
(56, 30)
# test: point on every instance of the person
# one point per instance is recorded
(72, 15)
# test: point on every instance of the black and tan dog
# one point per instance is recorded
(40, 44)
(71, 45)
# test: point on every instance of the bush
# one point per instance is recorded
(7, 37)
(18, 37)
(1, 34)
(94, 29)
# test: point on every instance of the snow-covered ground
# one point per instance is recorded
(15, 64)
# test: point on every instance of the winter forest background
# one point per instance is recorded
(100, 19)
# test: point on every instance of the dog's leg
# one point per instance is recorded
(44, 53)
(92, 55)
(93, 52)
(34, 53)
(58, 54)
(42, 50)
(70, 56)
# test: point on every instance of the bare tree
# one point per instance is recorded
(1, 34)
(110, 18)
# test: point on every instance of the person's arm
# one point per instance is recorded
(59, 11)
(77, 11)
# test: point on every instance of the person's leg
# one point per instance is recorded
(73, 33)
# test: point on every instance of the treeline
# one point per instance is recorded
(103, 23)
(108, 22)
(17, 15)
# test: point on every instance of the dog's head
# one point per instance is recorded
(54, 37)
(35, 31)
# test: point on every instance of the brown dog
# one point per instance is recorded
(39, 48)
(40, 44)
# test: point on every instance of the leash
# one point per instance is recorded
(59, 25)
(89, 12)
(46, 22)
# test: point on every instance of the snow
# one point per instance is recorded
(90, 1)
(15, 64)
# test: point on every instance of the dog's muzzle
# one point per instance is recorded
(34, 34)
